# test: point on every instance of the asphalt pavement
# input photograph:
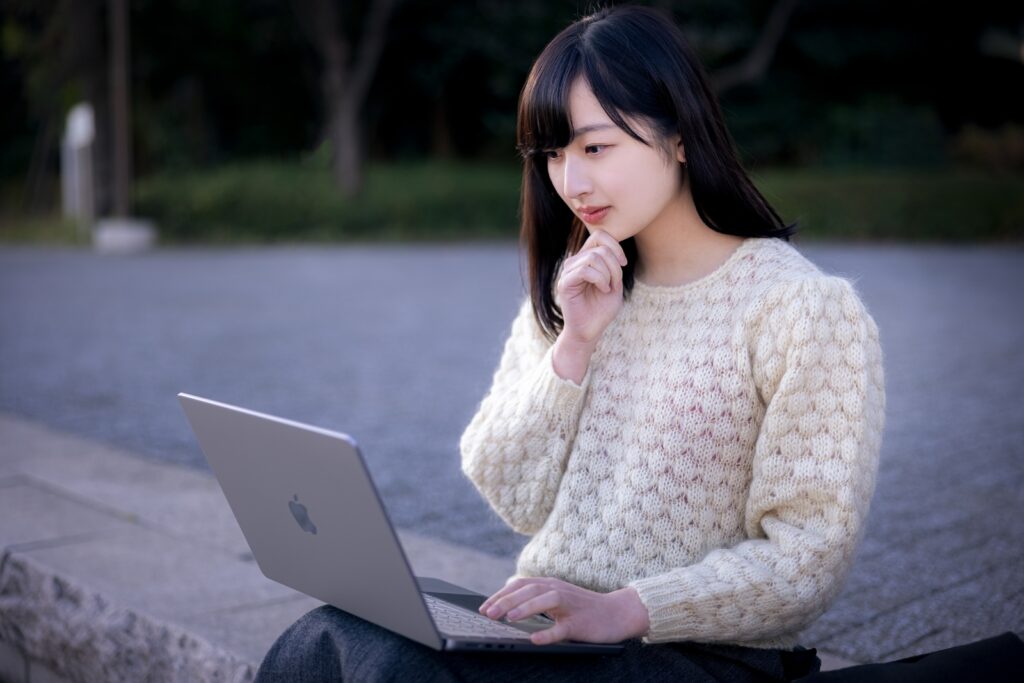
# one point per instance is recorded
(396, 346)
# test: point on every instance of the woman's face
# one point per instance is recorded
(610, 180)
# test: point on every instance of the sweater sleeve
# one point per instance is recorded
(817, 365)
(515, 447)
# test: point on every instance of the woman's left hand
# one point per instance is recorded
(579, 614)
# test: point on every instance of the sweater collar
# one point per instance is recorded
(668, 291)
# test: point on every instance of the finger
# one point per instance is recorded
(573, 260)
(491, 600)
(607, 240)
(546, 600)
(588, 273)
(514, 600)
(597, 265)
(613, 255)
(511, 586)
(494, 598)
(603, 238)
(610, 260)
(559, 631)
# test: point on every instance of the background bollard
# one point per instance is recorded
(76, 171)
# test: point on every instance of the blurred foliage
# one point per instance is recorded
(279, 201)
(445, 200)
(996, 150)
(48, 228)
(898, 205)
(226, 97)
(218, 80)
(882, 131)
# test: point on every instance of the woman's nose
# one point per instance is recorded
(577, 180)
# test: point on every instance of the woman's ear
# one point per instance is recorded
(680, 151)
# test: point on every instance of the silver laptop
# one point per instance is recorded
(312, 517)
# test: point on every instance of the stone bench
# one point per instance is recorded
(119, 568)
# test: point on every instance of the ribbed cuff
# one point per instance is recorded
(672, 618)
(563, 393)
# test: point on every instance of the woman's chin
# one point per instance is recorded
(618, 233)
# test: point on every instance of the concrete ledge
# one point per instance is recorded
(118, 568)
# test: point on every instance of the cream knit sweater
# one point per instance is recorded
(719, 455)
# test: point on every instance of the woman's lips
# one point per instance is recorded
(594, 215)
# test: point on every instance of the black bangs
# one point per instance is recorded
(613, 96)
(543, 121)
(624, 85)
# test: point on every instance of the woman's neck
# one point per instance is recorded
(678, 247)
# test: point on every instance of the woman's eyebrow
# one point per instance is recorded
(583, 130)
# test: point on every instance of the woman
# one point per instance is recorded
(687, 415)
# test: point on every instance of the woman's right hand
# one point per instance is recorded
(589, 289)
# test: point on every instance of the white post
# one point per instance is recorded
(76, 167)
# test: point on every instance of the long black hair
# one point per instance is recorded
(638, 65)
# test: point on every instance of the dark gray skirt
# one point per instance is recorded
(328, 644)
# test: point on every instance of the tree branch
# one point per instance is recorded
(370, 48)
(756, 63)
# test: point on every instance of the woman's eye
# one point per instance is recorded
(596, 148)
(551, 153)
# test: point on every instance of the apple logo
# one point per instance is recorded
(301, 515)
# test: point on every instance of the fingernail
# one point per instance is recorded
(493, 612)
(513, 615)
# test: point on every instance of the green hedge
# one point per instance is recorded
(296, 201)
(283, 202)
(903, 205)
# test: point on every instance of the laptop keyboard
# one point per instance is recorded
(455, 621)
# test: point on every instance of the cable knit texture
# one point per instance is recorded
(719, 456)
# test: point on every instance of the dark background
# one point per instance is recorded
(865, 83)
(221, 79)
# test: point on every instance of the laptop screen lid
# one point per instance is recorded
(299, 491)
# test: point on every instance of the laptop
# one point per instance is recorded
(314, 521)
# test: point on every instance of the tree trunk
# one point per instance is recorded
(119, 104)
(37, 179)
(344, 81)
(91, 56)
(443, 146)
(346, 142)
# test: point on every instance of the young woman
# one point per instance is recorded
(687, 415)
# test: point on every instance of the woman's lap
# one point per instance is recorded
(331, 645)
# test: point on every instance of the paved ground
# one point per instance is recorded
(396, 345)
